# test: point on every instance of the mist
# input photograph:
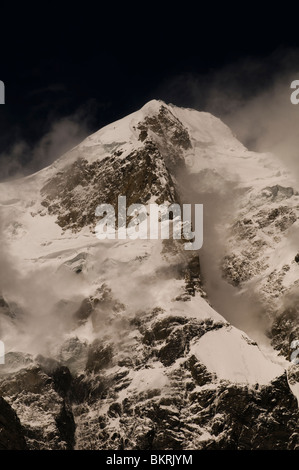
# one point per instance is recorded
(253, 98)
(220, 204)
(41, 302)
(22, 158)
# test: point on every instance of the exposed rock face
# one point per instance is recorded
(249, 232)
(74, 194)
(170, 135)
(11, 310)
(166, 126)
(285, 329)
(267, 221)
(193, 410)
(11, 432)
(47, 421)
(247, 422)
(150, 392)
(130, 371)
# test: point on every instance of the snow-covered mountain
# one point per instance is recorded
(139, 344)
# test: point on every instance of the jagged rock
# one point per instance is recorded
(199, 372)
(284, 330)
(240, 268)
(125, 373)
(86, 388)
(279, 192)
(73, 354)
(10, 309)
(15, 361)
(66, 426)
(62, 380)
(44, 417)
(84, 311)
(114, 410)
(69, 191)
(174, 348)
(173, 334)
(32, 379)
(47, 364)
(11, 432)
(99, 357)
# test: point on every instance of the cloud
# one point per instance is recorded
(252, 96)
(42, 301)
(64, 133)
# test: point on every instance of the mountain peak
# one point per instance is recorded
(153, 105)
(117, 338)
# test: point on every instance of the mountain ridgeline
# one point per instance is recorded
(129, 344)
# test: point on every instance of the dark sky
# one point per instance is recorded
(93, 64)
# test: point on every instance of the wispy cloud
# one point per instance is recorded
(23, 158)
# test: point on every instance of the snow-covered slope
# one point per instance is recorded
(114, 343)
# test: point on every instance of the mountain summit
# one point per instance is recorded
(139, 344)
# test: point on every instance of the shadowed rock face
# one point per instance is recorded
(100, 408)
(11, 432)
(38, 397)
(139, 384)
(74, 194)
(171, 137)
(285, 329)
(166, 126)
(267, 220)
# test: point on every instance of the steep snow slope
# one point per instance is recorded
(113, 344)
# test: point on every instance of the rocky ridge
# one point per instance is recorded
(156, 373)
